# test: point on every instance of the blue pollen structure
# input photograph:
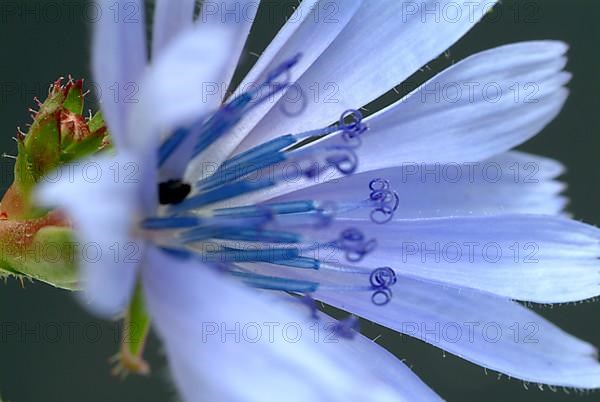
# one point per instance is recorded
(236, 237)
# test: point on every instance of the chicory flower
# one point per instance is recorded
(199, 197)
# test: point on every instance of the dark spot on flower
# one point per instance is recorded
(173, 192)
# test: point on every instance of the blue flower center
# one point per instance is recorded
(200, 223)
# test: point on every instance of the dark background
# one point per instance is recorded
(36, 48)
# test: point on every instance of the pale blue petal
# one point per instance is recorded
(430, 126)
(173, 92)
(482, 328)
(526, 257)
(478, 326)
(201, 66)
(185, 298)
(380, 362)
(237, 17)
(309, 31)
(178, 76)
(170, 19)
(425, 129)
(512, 182)
(385, 43)
(545, 259)
(101, 196)
(118, 62)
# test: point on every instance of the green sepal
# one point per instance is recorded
(74, 99)
(59, 134)
(42, 145)
(53, 102)
(96, 123)
(80, 150)
(80, 147)
(58, 265)
(51, 257)
(24, 179)
(96, 141)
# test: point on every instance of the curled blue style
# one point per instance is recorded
(311, 304)
(379, 184)
(277, 80)
(340, 157)
(284, 68)
(346, 328)
(353, 242)
(383, 277)
(351, 131)
(386, 201)
(381, 297)
(343, 159)
(302, 99)
(381, 280)
(355, 126)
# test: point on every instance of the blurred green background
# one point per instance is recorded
(38, 48)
